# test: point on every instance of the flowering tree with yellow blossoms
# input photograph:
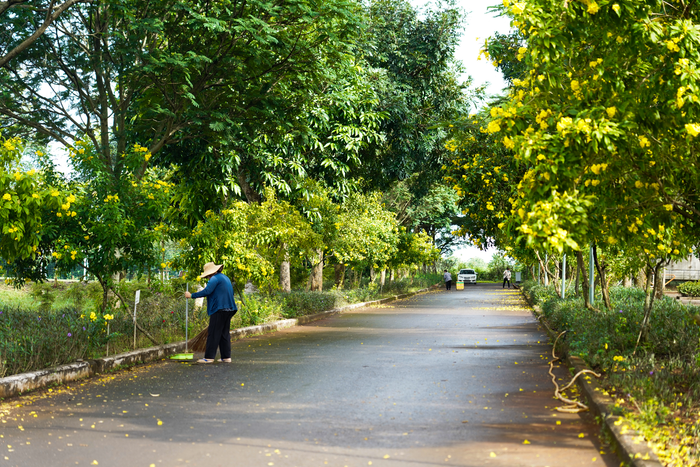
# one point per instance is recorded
(606, 124)
(25, 199)
(112, 222)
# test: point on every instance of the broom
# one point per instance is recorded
(199, 342)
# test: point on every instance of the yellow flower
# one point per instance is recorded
(644, 141)
(616, 8)
(35, 196)
(93, 316)
(108, 317)
(18, 176)
(162, 265)
(593, 8)
(493, 127)
(58, 214)
(564, 123)
(693, 129)
(7, 197)
(575, 85)
(518, 8)
(54, 193)
(611, 111)
(638, 184)
(668, 207)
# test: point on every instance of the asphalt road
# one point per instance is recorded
(444, 378)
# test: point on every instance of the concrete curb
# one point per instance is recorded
(629, 445)
(21, 383)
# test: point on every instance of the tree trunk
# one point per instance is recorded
(382, 277)
(317, 272)
(339, 275)
(584, 280)
(285, 276)
(372, 274)
(244, 183)
(547, 273)
(578, 270)
(604, 285)
(649, 295)
(659, 284)
(391, 275)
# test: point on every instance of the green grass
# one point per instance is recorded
(656, 388)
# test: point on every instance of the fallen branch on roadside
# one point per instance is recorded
(573, 406)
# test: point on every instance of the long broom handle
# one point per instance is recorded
(187, 304)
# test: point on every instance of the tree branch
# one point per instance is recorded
(31, 39)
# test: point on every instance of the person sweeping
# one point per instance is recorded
(220, 307)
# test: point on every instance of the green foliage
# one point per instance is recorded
(420, 88)
(277, 229)
(484, 175)
(601, 161)
(431, 209)
(657, 385)
(508, 51)
(691, 289)
(33, 339)
(224, 237)
(366, 232)
(26, 200)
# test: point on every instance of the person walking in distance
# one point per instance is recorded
(506, 278)
(448, 280)
(220, 307)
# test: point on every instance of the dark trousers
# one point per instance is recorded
(219, 336)
(448, 285)
(504, 283)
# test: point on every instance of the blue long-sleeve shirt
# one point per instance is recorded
(219, 293)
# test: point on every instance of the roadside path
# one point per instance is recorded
(443, 378)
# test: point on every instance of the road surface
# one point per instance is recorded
(443, 378)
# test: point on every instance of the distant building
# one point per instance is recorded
(685, 270)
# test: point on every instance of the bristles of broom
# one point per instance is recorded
(199, 342)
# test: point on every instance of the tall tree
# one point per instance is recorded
(117, 71)
(422, 87)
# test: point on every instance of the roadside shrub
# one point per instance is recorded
(691, 289)
(304, 303)
(600, 336)
(537, 293)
